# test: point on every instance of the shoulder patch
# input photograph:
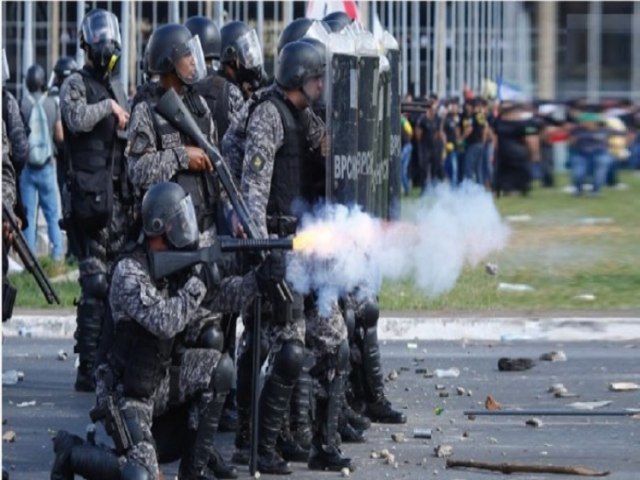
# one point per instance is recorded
(257, 163)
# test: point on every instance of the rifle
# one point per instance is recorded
(166, 262)
(28, 259)
(173, 109)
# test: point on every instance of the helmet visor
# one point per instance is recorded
(182, 226)
(189, 62)
(101, 27)
(249, 50)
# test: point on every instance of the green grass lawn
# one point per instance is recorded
(553, 252)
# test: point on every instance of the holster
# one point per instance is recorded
(114, 424)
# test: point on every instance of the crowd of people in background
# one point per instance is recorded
(508, 145)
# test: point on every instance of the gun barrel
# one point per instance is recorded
(255, 244)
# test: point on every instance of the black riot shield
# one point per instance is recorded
(368, 79)
(381, 168)
(394, 98)
(342, 125)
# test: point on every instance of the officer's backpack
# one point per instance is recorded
(40, 144)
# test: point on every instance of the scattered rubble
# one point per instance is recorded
(506, 364)
(393, 375)
(491, 269)
(460, 391)
(421, 433)
(558, 356)
(492, 404)
(623, 386)
(375, 455)
(534, 422)
(62, 355)
(11, 377)
(443, 394)
(440, 386)
(345, 472)
(398, 437)
(514, 287)
(589, 405)
(443, 451)
(32, 403)
(9, 436)
(452, 372)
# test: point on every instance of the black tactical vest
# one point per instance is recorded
(92, 151)
(286, 182)
(137, 356)
(202, 186)
(215, 91)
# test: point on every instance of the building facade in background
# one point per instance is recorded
(541, 49)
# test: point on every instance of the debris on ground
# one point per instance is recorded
(440, 386)
(9, 436)
(589, 297)
(11, 377)
(491, 268)
(460, 391)
(558, 356)
(421, 433)
(345, 472)
(443, 394)
(62, 355)
(492, 404)
(524, 468)
(506, 364)
(32, 403)
(438, 410)
(534, 422)
(397, 437)
(514, 287)
(589, 405)
(443, 451)
(421, 371)
(623, 386)
(452, 372)
(393, 375)
(412, 345)
(375, 455)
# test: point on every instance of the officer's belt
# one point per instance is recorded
(282, 225)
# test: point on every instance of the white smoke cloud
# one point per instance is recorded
(439, 234)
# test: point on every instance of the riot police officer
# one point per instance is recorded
(143, 379)
(271, 185)
(95, 205)
(241, 60)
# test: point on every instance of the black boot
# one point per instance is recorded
(243, 438)
(354, 419)
(325, 453)
(219, 467)
(274, 401)
(378, 408)
(348, 434)
(300, 423)
(63, 443)
(229, 417)
(87, 335)
(195, 465)
(290, 450)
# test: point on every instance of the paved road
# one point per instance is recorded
(603, 443)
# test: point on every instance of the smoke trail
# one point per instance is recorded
(439, 234)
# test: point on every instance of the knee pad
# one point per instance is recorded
(368, 314)
(342, 361)
(94, 285)
(223, 378)
(350, 321)
(211, 337)
(288, 361)
(134, 471)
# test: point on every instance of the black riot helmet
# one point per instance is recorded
(303, 27)
(35, 79)
(64, 67)
(100, 37)
(298, 62)
(209, 35)
(241, 50)
(319, 45)
(337, 21)
(168, 210)
(171, 46)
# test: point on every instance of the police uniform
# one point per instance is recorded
(94, 158)
(276, 147)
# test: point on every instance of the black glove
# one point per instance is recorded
(271, 271)
(209, 275)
